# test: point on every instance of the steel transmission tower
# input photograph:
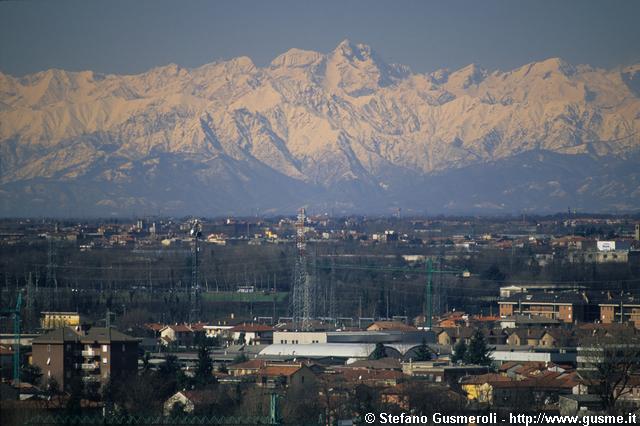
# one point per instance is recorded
(51, 280)
(194, 312)
(302, 293)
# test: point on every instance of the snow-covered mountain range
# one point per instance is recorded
(343, 131)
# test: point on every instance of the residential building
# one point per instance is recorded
(285, 375)
(94, 355)
(620, 309)
(190, 401)
(178, 335)
(246, 368)
(566, 306)
(51, 320)
(252, 334)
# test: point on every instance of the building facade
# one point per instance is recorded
(94, 356)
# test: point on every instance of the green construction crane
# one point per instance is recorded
(428, 291)
(15, 313)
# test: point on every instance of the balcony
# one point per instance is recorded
(91, 379)
(89, 366)
(90, 353)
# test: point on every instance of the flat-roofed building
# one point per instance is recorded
(52, 320)
(567, 307)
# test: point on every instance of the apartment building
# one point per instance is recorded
(566, 307)
(94, 355)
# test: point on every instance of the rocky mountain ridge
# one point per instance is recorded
(342, 130)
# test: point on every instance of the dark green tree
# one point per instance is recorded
(459, 351)
(378, 352)
(493, 273)
(75, 389)
(423, 353)
(240, 358)
(145, 361)
(170, 366)
(478, 351)
(204, 367)
(31, 374)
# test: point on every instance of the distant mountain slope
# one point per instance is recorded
(343, 130)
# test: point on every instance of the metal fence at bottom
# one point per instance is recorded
(143, 420)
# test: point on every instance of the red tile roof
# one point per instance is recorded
(252, 364)
(251, 328)
(279, 370)
(391, 325)
(181, 328)
(154, 326)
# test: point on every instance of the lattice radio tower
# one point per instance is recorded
(51, 279)
(194, 312)
(302, 294)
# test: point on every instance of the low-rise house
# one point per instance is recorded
(189, 400)
(391, 326)
(524, 337)
(252, 334)
(528, 321)
(217, 330)
(535, 392)
(368, 377)
(451, 336)
(246, 368)
(571, 405)
(178, 335)
(285, 375)
(500, 391)
(391, 364)
(480, 388)
(557, 338)
(441, 371)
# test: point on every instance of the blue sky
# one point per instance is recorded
(133, 36)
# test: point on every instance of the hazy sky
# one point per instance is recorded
(133, 36)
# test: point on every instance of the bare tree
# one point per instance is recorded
(607, 360)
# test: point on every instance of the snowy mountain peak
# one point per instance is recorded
(296, 58)
(553, 65)
(466, 77)
(352, 51)
(345, 123)
(358, 70)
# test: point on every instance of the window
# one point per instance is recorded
(104, 360)
(105, 348)
(123, 347)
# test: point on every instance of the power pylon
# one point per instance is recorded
(302, 292)
(194, 312)
(51, 280)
